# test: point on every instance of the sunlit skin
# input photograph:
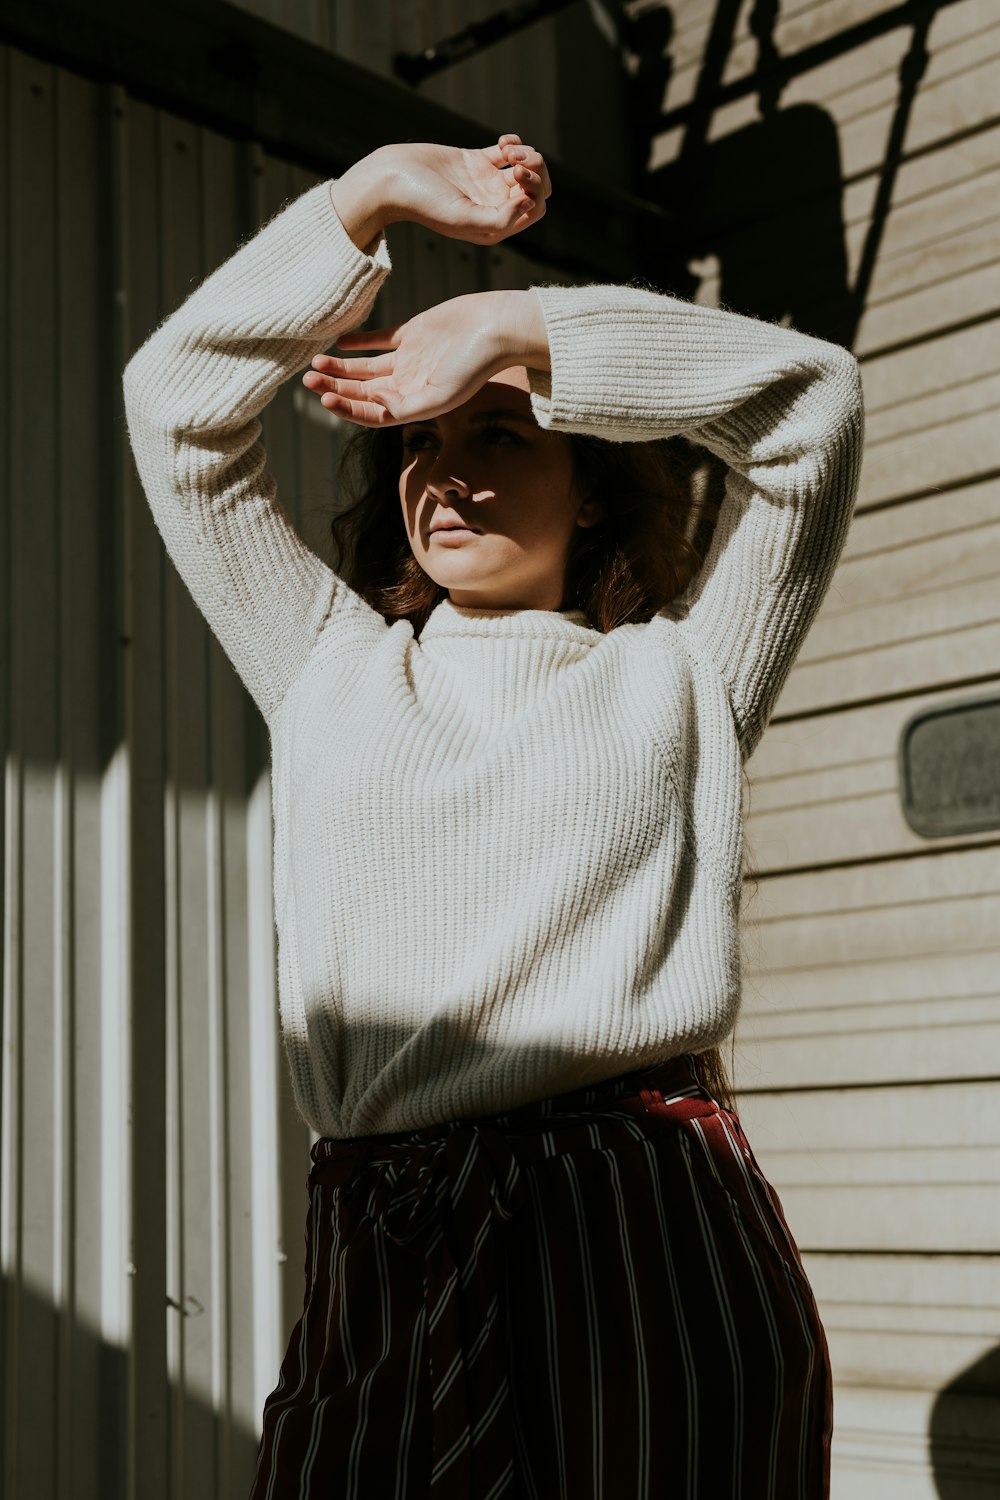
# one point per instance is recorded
(454, 379)
(489, 465)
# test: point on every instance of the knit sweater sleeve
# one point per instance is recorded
(193, 394)
(783, 410)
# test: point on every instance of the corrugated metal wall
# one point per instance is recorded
(152, 1196)
(142, 1232)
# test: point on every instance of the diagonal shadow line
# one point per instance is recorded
(699, 111)
(782, 70)
(911, 71)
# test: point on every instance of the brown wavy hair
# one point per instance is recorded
(659, 499)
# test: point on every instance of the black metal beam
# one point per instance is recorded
(219, 66)
(414, 67)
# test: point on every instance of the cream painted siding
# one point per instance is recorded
(869, 1053)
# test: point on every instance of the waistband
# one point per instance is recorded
(671, 1079)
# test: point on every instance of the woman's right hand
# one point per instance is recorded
(482, 195)
(433, 362)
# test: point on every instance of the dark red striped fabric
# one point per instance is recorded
(593, 1297)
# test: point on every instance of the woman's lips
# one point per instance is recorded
(454, 533)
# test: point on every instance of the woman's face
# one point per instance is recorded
(507, 485)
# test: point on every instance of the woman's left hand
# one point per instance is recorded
(435, 361)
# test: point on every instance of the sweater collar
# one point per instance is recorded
(449, 619)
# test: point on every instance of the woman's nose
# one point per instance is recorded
(441, 483)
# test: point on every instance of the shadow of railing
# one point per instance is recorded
(763, 201)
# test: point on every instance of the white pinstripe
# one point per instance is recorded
(317, 1427)
(644, 1413)
(385, 1302)
(482, 1337)
(765, 1301)
(446, 1291)
(466, 1439)
(756, 1184)
(550, 1332)
(593, 1329)
(502, 1481)
(314, 1241)
(467, 1273)
(526, 1476)
(462, 1177)
(682, 1329)
(447, 1380)
(722, 1297)
(410, 1404)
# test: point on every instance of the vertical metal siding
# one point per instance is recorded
(141, 1325)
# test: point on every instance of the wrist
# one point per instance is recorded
(522, 336)
(363, 200)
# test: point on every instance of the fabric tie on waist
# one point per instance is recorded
(609, 1212)
(447, 1197)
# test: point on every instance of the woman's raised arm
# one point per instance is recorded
(784, 412)
(193, 394)
(194, 391)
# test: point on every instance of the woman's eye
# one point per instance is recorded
(414, 441)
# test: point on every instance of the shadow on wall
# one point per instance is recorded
(64, 1393)
(965, 1430)
(760, 207)
(759, 212)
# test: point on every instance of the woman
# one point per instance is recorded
(540, 1259)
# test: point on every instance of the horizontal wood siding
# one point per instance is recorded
(868, 1053)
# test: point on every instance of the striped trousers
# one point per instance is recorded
(595, 1295)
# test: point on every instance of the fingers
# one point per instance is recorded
(529, 180)
(527, 192)
(528, 187)
(366, 413)
(511, 152)
(355, 400)
(519, 156)
(497, 153)
(351, 369)
(371, 338)
(354, 390)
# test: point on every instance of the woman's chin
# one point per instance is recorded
(450, 569)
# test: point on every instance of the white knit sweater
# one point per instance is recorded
(507, 854)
